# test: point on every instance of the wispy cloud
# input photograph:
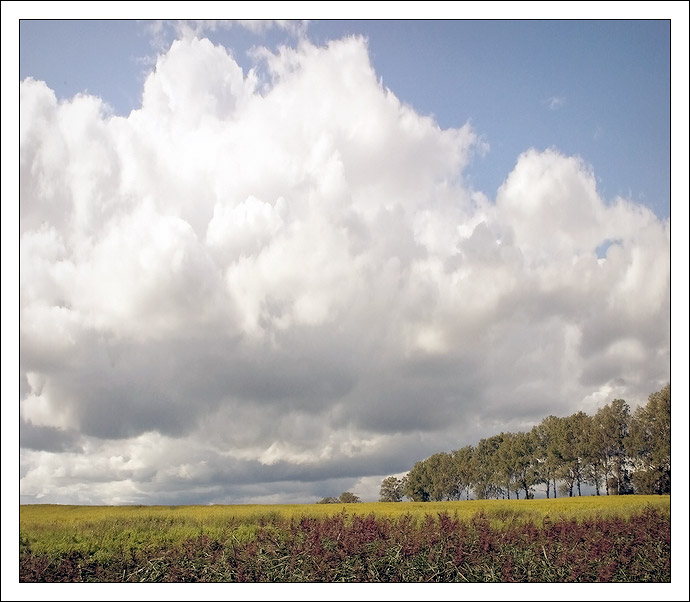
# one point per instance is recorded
(555, 102)
(163, 32)
(297, 29)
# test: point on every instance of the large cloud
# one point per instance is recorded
(269, 285)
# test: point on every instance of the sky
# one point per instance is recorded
(607, 91)
(269, 262)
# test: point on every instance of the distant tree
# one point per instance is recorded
(348, 498)
(345, 498)
(391, 490)
(649, 444)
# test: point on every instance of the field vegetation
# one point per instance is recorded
(585, 539)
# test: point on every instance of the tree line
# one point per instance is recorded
(615, 451)
(346, 497)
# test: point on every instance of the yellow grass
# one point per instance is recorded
(58, 528)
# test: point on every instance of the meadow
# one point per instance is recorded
(579, 539)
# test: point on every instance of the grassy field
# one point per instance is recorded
(249, 542)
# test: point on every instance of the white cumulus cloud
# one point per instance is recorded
(278, 285)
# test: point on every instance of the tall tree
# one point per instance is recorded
(506, 461)
(391, 490)
(442, 479)
(488, 479)
(417, 483)
(610, 428)
(465, 470)
(571, 451)
(649, 444)
(545, 438)
(524, 469)
(594, 470)
(581, 427)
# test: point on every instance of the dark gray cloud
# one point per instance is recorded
(48, 438)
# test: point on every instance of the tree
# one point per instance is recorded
(649, 444)
(505, 462)
(594, 471)
(465, 469)
(572, 449)
(345, 498)
(611, 447)
(609, 432)
(545, 438)
(488, 480)
(391, 490)
(348, 498)
(435, 478)
(417, 483)
(515, 463)
(403, 485)
(524, 470)
(443, 482)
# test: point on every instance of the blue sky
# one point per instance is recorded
(597, 89)
(271, 262)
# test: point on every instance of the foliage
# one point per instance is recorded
(464, 469)
(611, 425)
(488, 475)
(649, 444)
(349, 498)
(346, 497)
(417, 484)
(546, 440)
(392, 490)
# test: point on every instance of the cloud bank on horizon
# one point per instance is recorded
(275, 285)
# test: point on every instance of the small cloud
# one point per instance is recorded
(200, 28)
(555, 102)
(258, 26)
(162, 33)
